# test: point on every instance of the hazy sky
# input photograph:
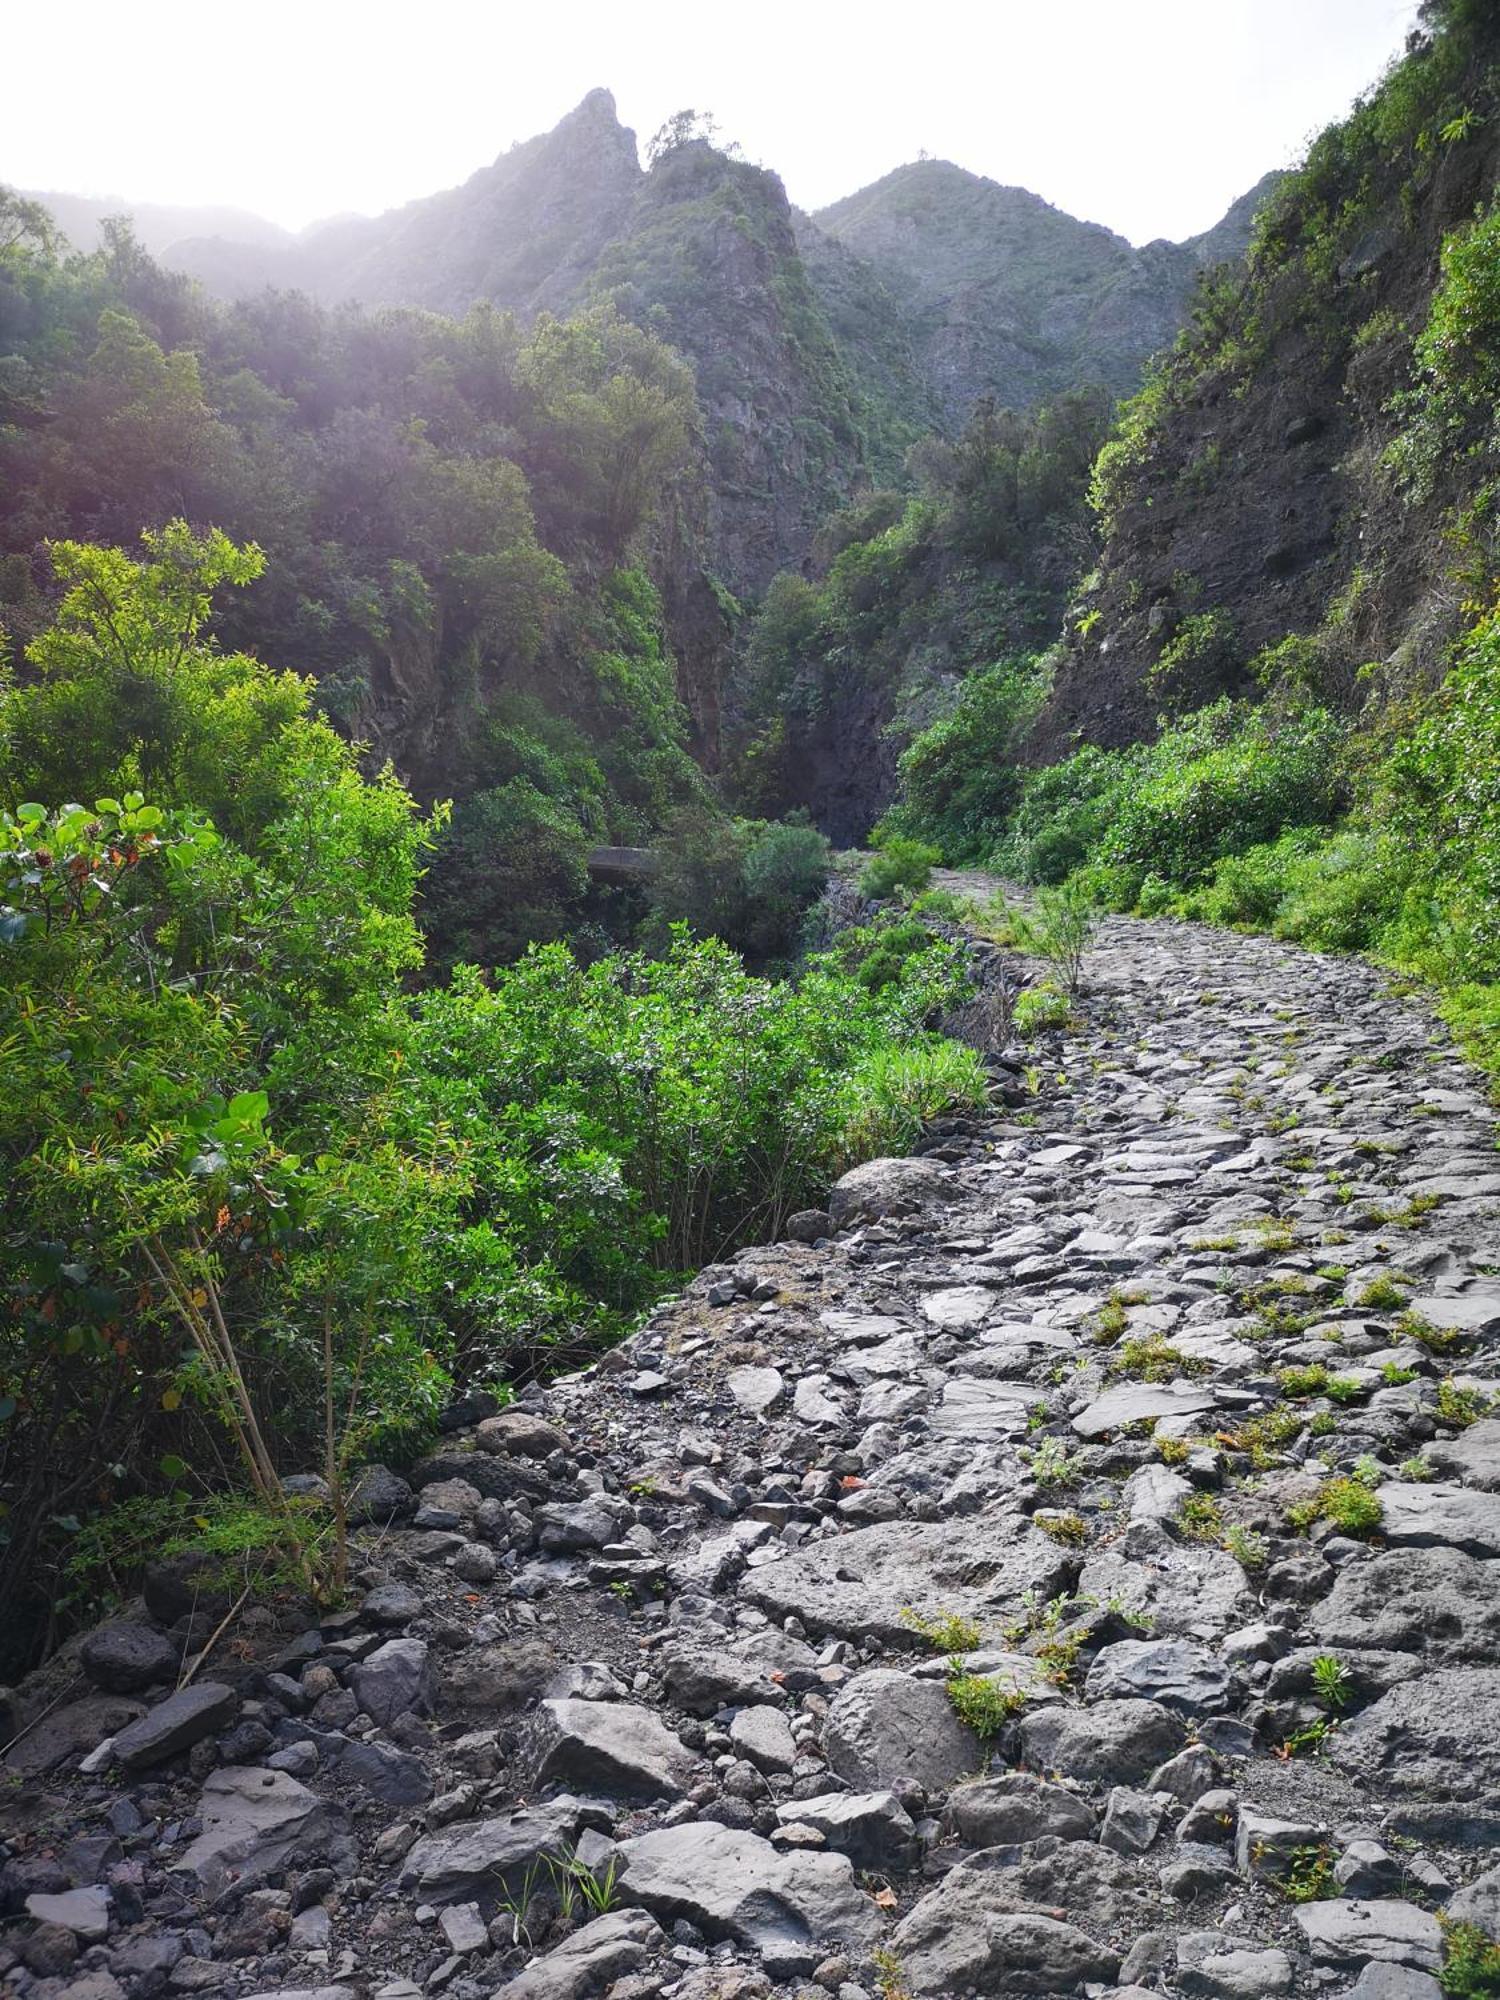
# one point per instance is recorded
(1147, 115)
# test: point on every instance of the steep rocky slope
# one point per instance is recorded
(1152, 1415)
(1305, 467)
(1000, 293)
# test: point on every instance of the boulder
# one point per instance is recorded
(394, 1680)
(960, 1940)
(786, 1907)
(887, 1728)
(175, 1724)
(484, 1860)
(612, 1747)
(886, 1187)
(1439, 1602)
(591, 1959)
(1111, 1743)
(517, 1433)
(124, 1656)
(1436, 1736)
(1179, 1675)
(872, 1828)
(1011, 1810)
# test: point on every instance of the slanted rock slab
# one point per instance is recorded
(589, 1960)
(786, 1907)
(612, 1747)
(867, 1583)
(1343, 1932)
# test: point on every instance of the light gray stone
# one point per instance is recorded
(1347, 1932)
(887, 1728)
(785, 1907)
(867, 1583)
(1112, 1742)
(1440, 1516)
(1171, 1671)
(613, 1747)
(175, 1724)
(594, 1956)
(254, 1822)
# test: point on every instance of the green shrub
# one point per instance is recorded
(1063, 813)
(959, 778)
(1040, 1008)
(1221, 782)
(900, 863)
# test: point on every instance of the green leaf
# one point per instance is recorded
(173, 1467)
(29, 814)
(134, 800)
(107, 805)
(249, 1107)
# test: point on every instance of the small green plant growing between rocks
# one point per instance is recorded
(1458, 1406)
(1039, 1008)
(981, 1702)
(1248, 1549)
(945, 1631)
(1070, 1529)
(1051, 1464)
(890, 1974)
(1347, 1503)
(1332, 1682)
(1153, 1358)
(1199, 1519)
(1309, 1874)
(1384, 1294)
(1471, 1962)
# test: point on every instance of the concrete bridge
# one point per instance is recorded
(622, 865)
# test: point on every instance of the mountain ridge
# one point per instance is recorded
(822, 344)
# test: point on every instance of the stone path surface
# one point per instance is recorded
(1072, 1566)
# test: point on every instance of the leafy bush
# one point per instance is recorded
(1040, 1008)
(900, 863)
(959, 778)
(1223, 781)
(1063, 813)
(1058, 928)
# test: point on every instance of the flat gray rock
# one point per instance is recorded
(859, 1585)
(175, 1724)
(612, 1747)
(1134, 1402)
(591, 1959)
(1009, 1811)
(962, 1939)
(885, 1728)
(705, 1679)
(255, 1822)
(1171, 1671)
(483, 1860)
(1438, 1735)
(125, 1656)
(1434, 1601)
(786, 1907)
(1440, 1516)
(1342, 1932)
(84, 1912)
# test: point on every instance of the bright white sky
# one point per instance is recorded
(1147, 115)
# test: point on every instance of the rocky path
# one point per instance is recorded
(1074, 1568)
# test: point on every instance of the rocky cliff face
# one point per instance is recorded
(1000, 293)
(1264, 492)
